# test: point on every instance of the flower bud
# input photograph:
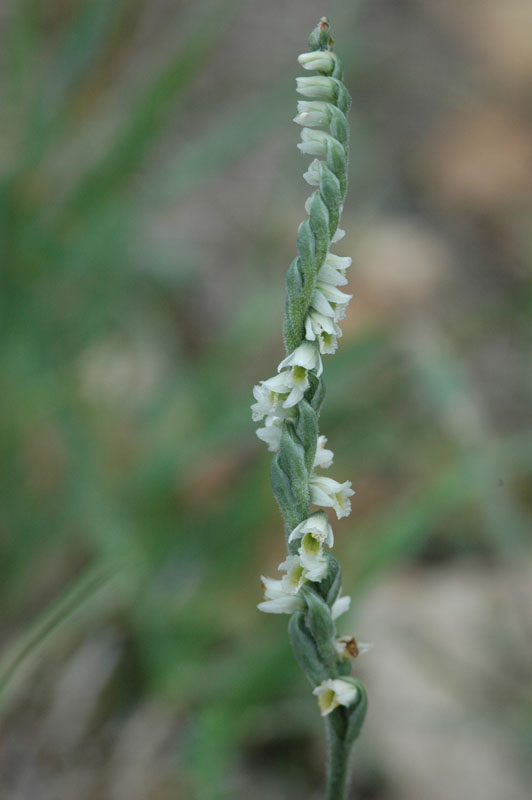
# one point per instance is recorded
(315, 143)
(334, 692)
(320, 60)
(318, 86)
(347, 647)
(312, 113)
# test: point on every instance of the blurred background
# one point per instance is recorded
(150, 194)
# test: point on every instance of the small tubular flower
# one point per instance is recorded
(331, 494)
(338, 236)
(306, 357)
(340, 606)
(277, 599)
(323, 330)
(318, 86)
(347, 647)
(338, 262)
(324, 457)
(317, 526)
(315, 143)
(320, 60)
(330, 301)
(289, 386)
(312, 113)
(281, 595)
(332, 276)
(315, 565)
(332, 693)
(312, 177)
(333, 269)
(270, 399)
(271, 433)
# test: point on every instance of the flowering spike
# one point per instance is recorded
(290, 403)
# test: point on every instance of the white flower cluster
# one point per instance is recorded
(276, 398)
(328, 303)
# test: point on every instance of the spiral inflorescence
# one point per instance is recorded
(290, 402)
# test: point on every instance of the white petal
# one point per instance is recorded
(316, 570)
(334, 277)
(346, 693)
(320, 60)
(338, 236)
(295, 396)
(312, 177)
(271, 433)
(340, 606)
(317, 86)
(321, 304)
(338, 262)
(282, 605)
(324, 457)
(306, 356)
(332, 293)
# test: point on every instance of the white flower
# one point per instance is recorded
(338, 262)
(330, 301)
(335, 692)
(271, 396)
(312, 177)
(271, 433)
(338, 236)
(333, 269)
(279, 601)
(316, 324)
(311, 113)
(323, 457)
(315, 565)
(281, 595)
(340, 606)
(304, 357)
(313, 533)
(315, 143)
(294, 578)
(347, 647)
(330, 275)
(290, 385)
(317, 526)
(276, 396)
(317, 86)
(320, 60)
(328, 492)
(323, 330)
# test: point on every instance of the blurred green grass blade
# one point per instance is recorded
(83, 40)
(60, 611)
(21, 45)
(240, 131)
(382, 542)
(147, 120)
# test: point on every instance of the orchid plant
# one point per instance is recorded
(289, 405)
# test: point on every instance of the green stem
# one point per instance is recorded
(338, 751)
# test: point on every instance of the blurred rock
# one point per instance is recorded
(143, 755)
(399, 264)
(500, 32)
(78, 689)
(440, 661)
(479, 160)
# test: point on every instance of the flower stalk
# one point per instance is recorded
(289, 403)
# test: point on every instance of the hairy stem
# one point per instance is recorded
(338, 752)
